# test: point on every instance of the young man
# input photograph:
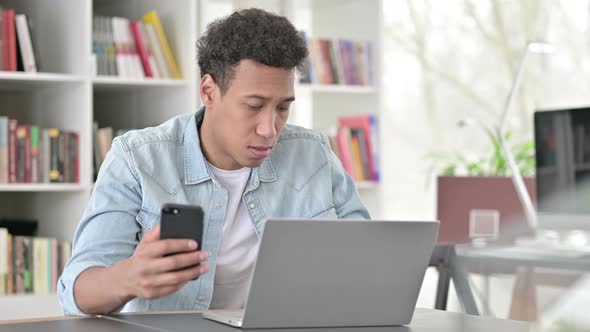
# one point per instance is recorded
(236, 158)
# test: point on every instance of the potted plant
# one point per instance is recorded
(477, 199)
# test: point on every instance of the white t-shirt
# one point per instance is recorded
(239, 243)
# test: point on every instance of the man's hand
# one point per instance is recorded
(152, 273)
(156, 268)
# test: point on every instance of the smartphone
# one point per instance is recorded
(182, 222)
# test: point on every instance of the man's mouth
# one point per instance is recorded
(260, 151)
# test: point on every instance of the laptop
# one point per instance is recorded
(335, 273)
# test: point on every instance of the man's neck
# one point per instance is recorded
(213, 154)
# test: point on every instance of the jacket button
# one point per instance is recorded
(252, 205)
(201, 299)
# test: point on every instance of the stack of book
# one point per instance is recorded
(15, 43)
(338, 61)
(132, 48)
(29, 154)
(31, 264)
(355, 144)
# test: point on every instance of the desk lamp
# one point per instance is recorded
(525, 199)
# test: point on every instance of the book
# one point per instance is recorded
(3, 259)
(368, 124)
(104, 138)
(357, 164)
(55, 170)
(74, 156)
(150, 51)
(25, 44)
(28, 256)
(152, 36)
(153, 19)
(34, 154)
(18, 247)
(11, 39)
(141, 46)
(3, 149)
(44, 156)
(343, 139)
(53, 269)
(363, 152)
(23, 164)
(40, 265)
(12, 124)
(9, 265)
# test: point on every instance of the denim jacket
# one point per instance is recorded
(302, 178)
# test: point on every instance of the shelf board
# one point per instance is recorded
(10, 80)
(580, 167)
(105, 83)
(360, 89)
(366, 184)
(41, 187)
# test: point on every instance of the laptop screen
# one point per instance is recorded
(562, 147)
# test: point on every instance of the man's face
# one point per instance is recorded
(241, 127)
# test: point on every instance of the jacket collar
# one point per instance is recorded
(196, 169)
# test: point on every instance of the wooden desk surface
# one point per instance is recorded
(424, 320)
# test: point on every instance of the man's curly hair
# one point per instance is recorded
(252, 34)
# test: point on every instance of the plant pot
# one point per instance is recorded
(466, 205)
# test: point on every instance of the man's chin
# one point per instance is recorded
(252, 163)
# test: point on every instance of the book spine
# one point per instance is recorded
(67, 166)
(9, 266)
(11, 40)
(75, 156)
(140, 45)
(152, 18)
(343, 139)
(12, 155)
(29, 268)
(26, 46)
(1, 38)
(34, 154)
(19, 264)
(3, 149)
(5, 46)
(23, 166)
(54, 266)
(158, 52)
(45, 153)
(359, 134)
(357, 163)
(3, 259)
(54, 169)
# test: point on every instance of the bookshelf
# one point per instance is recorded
(319, 106)
(66, 94)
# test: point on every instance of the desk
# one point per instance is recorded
(424, 320)
(521, 261)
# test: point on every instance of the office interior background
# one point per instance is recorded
(434, 75)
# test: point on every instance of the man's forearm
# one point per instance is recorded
(102, 290)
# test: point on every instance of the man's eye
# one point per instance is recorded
(255, 107)
(283, 108)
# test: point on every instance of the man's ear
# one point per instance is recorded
(209, 90)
